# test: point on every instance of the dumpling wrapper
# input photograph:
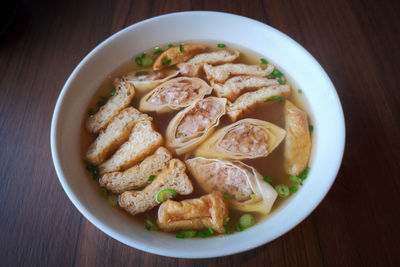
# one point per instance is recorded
(244, 186)
(174, 94)
(176, 56)
(194, 124)
(193, 67)
(238, 85)
(145, 83)
(223, 72)
(298, 140)
(244, 139)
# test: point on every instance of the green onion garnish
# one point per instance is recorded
(186, 234)
(181, 134)
(300, 91)
(206, 233)
(306, 170)
(165, 194)
(113, 200)
(152, 177)
(271, 98)
(293, 189)
(283, 190)
(281, 99)
(150, 225)
(169, 45)
(158, 51)
(228, 75)
(311, 128)
(304, 175)
(227, 219)
(225, 196)
(268, 179)
(271, 76)
(138, 61)
(276, 72)
(281, 81)
(263, 61)
(252, 196)
(295, 179)
(166, 62)
(227, 230)
(112, 93)
(90, 111)
(180, 48)
(143, 55)
(146, 60)
(140, 73)
(246, 221)
(221, 45)
(102, 101)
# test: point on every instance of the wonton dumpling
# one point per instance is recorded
(175, 55)
(174, 94)
(193, 124)
(147, 82)
(235, 86)
(242, 183)
(298, 140)
(249, 100)
(221, 73)
(192, 67)
(245, 139)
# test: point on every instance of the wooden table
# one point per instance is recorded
(356, 42)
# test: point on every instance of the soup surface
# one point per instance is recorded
(271, 167)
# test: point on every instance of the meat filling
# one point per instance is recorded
(203, 114)
(178, 93)
(245, 139)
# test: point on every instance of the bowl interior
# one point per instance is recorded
(324, 108)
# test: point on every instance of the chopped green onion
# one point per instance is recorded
(281, 81)
(304, 175)
(103, 191)
(300, 91)
(228, 75)
(295, 179)
(271, 76)
(146, 60)
(206, 233)
(271, 98)
(181, 134)
(112, 93)
(221, 45)
(138, 61)
(90, 111)
(238, 228)
(186, 234)
(311, 128)
(158, 51)
(227, 230)
(263, 61)
(169, 45)
(268, 179)
(166, 194)
(113, 200)
(143, 55)
(102, 101)
(283, 190)
(293, 189)
(252, 196)
(227, 219)
(140, 73)
(281, 99)
(306, 170)
(152, 177)
(180, 48)
(225, 196)
(246, 221)
(277, 73)
(166, 62)
(150, 225)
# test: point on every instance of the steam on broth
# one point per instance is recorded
(231, 79)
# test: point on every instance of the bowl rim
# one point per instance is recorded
(105, 228)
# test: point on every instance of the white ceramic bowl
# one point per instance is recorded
(324, 106)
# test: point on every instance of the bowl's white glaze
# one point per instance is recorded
(324, 106)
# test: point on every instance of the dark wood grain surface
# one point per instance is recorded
(357, 43)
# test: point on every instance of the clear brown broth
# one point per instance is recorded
(272, 165)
